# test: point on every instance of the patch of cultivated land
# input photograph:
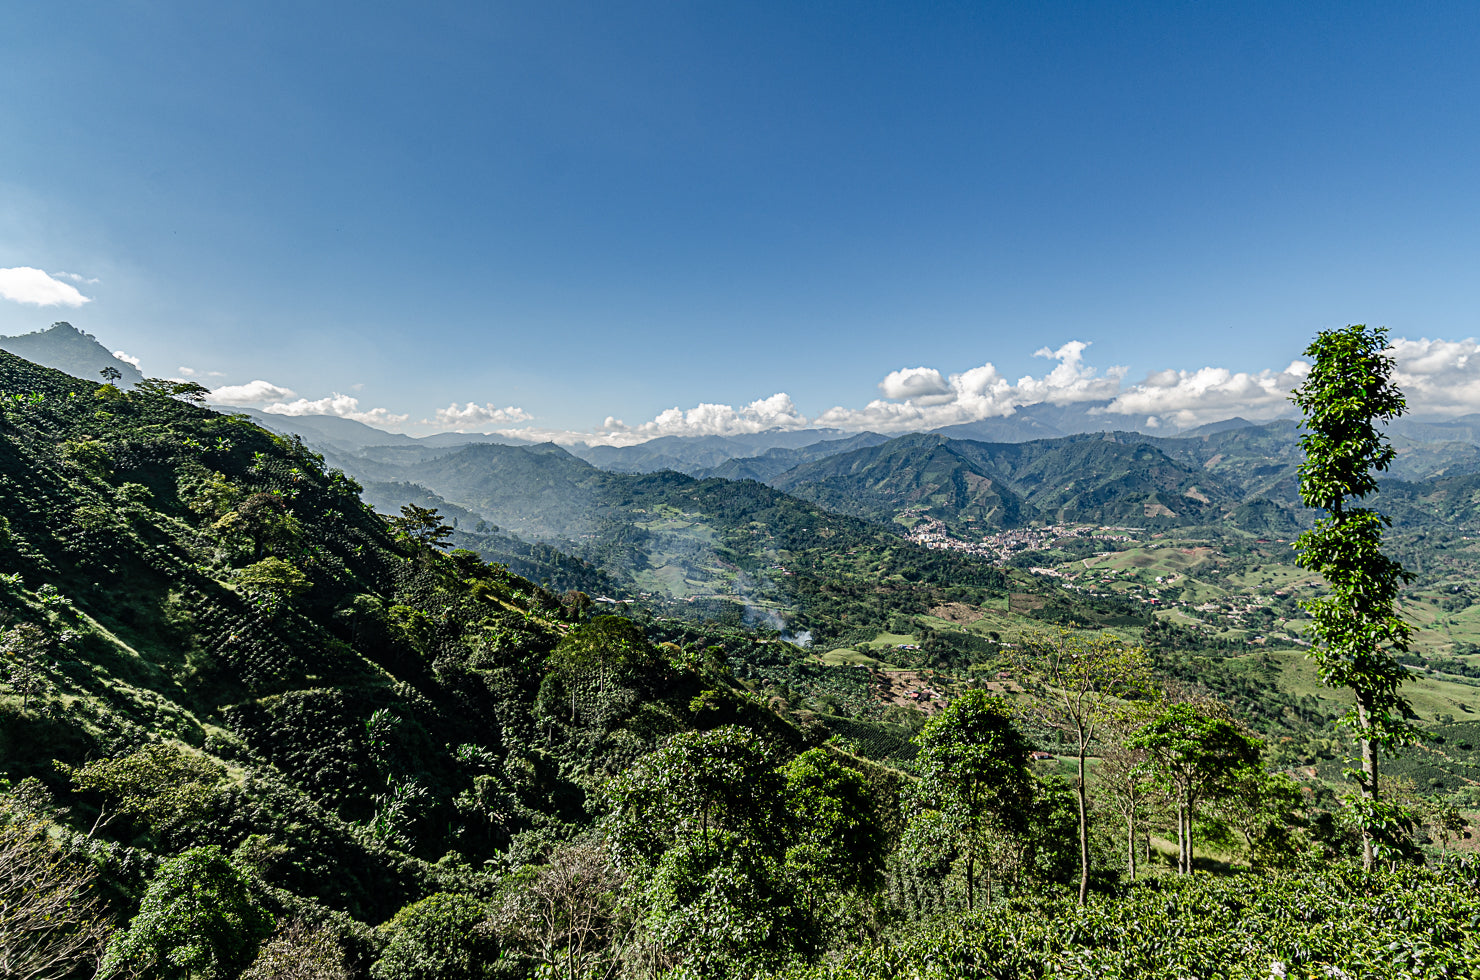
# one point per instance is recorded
(909, 687)
(672, 579)
(957, 612)
(888, 641)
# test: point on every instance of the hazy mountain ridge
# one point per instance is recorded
(67, 349)
(693, 454)
(535, 561)
(774, 462)
(1094, 478)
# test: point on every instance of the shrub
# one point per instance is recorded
(197, 921)
(443, 937)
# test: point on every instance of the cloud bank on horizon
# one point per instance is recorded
(1439, 377)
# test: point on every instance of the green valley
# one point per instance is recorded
(705, 714)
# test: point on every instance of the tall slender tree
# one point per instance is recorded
(1083, 682)
(1126, 788)
(1348, 393)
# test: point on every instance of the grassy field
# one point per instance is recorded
(672, 579)
(850, 658)
(1431, 697)
(890, 640)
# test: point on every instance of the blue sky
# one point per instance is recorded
(577, 211)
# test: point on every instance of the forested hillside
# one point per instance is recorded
(1101, 479)
(213, 643)
(250, 728)
(739, 551)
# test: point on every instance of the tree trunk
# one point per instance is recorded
(1187, 817)
(1130, 843)
(1184, 833)
(1369, 774)
(1180, 846)
(1083, 829)
(970, 880)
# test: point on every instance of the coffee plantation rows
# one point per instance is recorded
(1405, 924)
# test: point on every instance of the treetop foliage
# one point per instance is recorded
(198, 919)
(1344, 397)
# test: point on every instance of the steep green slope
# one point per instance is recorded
(1108, 479)
(927, 474)
(362, 719)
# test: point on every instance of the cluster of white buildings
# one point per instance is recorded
(999, 547)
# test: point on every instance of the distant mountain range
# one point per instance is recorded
(1101, 478)
(1044, 463)
(761, 455)
(349, 436)
(691, 454)
(1240, 476)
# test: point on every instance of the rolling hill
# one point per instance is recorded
(1103, 479)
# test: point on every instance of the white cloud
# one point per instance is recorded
(473, 414)
(1209, 394)
(126, 358)
(80, 280)
(189, 372)
(920, 398)
(1071, 381)
(344, 406)
(919, 382)
(251, 393)
(1438, 376)
(24, 284)
(915, 398)
(706, 419)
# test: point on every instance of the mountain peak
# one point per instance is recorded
(66, 348)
